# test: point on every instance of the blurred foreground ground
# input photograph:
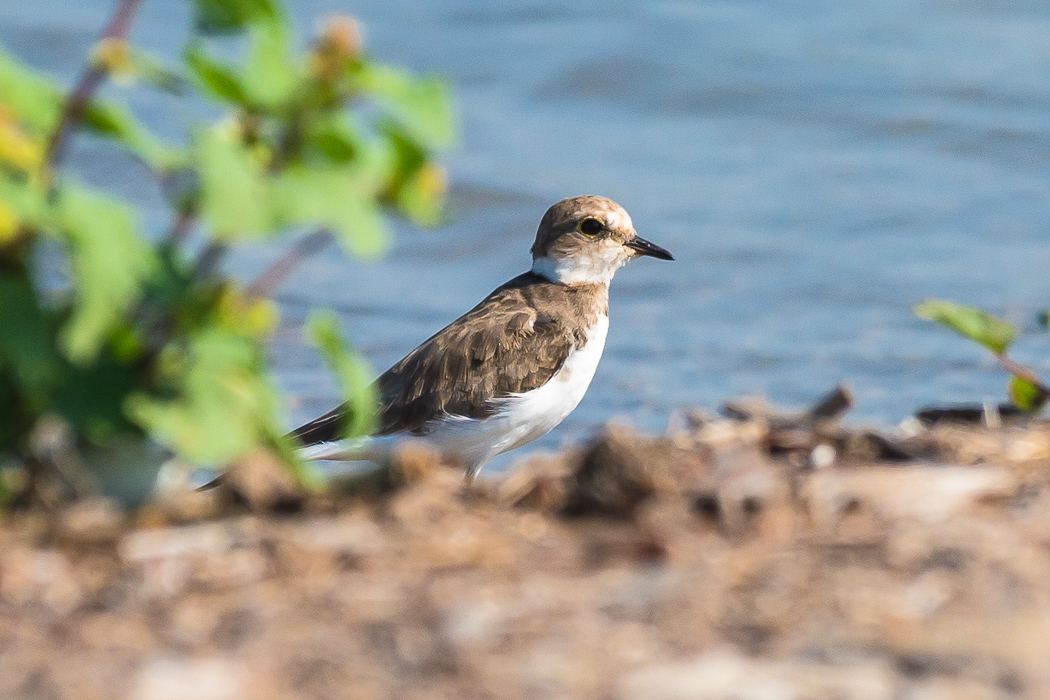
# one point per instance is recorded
(759, 557)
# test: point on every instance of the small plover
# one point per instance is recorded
(513, 367)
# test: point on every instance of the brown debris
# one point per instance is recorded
(619, 471)
(261, 483)
(767, 556)
(539, 483)
(93, 522)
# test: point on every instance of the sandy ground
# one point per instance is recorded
(756, 557)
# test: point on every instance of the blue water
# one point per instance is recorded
(817, 168)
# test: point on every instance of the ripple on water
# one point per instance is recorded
(816, 168)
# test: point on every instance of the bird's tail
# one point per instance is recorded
(362, 449)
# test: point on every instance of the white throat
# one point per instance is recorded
(592, 269)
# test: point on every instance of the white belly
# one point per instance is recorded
(519, 418)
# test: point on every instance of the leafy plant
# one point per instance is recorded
(148, 339)
(1025, 389)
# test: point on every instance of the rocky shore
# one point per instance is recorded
(756, 555)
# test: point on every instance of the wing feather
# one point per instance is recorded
(502, 346)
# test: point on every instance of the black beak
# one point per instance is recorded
(644, 247)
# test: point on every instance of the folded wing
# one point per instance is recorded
(502, 346)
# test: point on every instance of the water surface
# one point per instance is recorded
(817, 168)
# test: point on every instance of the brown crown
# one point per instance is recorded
(563, 217)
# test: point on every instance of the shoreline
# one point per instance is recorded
(720, 561)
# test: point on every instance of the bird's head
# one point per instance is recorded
(585, 240)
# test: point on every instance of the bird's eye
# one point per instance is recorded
(590, 227)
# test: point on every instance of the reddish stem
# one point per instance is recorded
(271, 278)
(1026, 373)
(181, 226)
(80, 97)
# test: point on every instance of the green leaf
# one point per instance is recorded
(16, 417)
(91, 398)
(270, 74)
(232, 16)
(1026, 396)
(418, 185)
(19, 151)
(246, 315)
(107, 119)
(37, 102)
(1044, 319)
(341, 199)
(33, 98)
(13, 476)
(234, 193)
(26, 200)
(223, 404)
(109, 262)
(155, 72)
(26, 350)
(979, 326)
(351, 370)
(421, 106)
(331, 140)
(422, 197)
(172, 281)
(127, 64)
(215, 77)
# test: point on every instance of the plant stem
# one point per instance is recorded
(181, 226)
(1018, 370)
(208, 260)
(91, 78)
(272, 277)
(288, 144)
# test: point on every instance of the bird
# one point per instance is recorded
(512, 368)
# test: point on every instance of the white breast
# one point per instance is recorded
(521, 418)
(544, 407)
